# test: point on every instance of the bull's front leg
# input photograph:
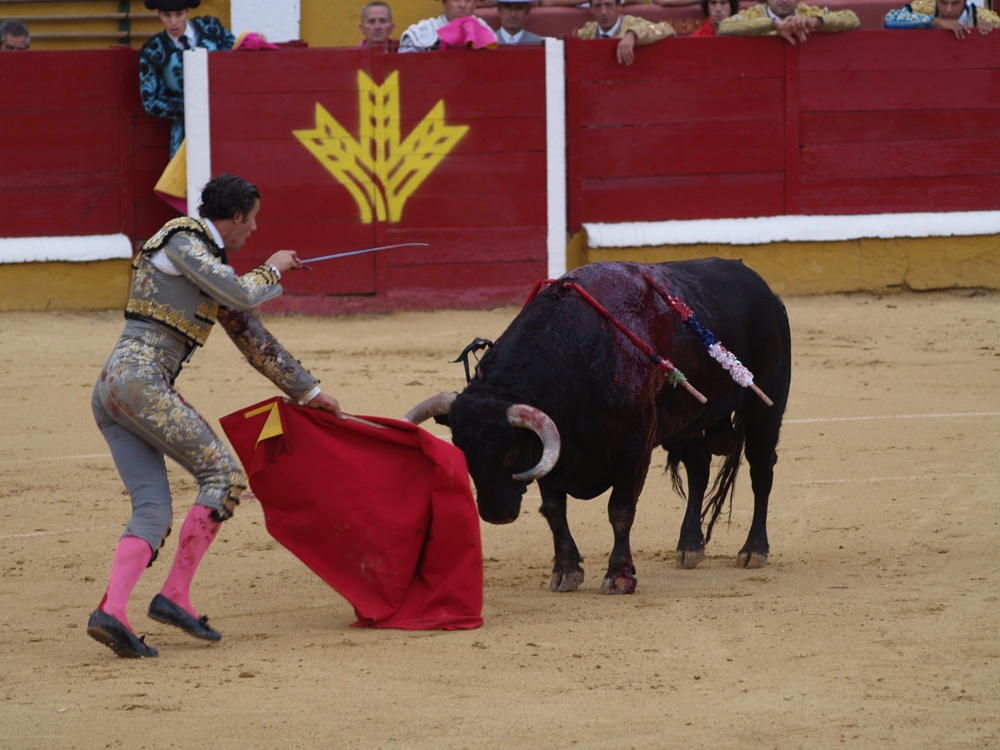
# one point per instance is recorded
(567, 575)
(698, 464)
(620, 578)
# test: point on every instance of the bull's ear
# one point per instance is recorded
(443, 419)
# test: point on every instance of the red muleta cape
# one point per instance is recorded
(385, 515)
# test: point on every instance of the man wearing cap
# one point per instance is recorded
(513, 14)
(423, 35)
(161, 66)
(181, 286)
(633, 31)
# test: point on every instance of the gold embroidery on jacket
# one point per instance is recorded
(170, 318)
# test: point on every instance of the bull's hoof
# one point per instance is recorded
(751, 560)
(622, 583)
(689, 558)
(563, 582)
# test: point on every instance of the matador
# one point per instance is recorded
(181, 286)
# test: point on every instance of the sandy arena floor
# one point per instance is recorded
(876, 622)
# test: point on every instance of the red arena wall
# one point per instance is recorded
(477, 174)
(449, 148)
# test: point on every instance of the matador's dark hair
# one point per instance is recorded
(227, 195)
(734, 7)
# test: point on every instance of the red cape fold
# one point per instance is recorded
(385, 515)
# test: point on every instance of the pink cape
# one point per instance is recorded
(384, 515)
(466, 32)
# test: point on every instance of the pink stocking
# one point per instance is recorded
(197, 535)
(131, 558)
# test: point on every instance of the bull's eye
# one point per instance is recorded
(510, 458)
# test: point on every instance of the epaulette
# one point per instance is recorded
(175, 226)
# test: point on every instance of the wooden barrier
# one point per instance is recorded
(480, 208)
(449, 149)
(864, 122)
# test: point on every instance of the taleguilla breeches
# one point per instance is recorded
(143, 418)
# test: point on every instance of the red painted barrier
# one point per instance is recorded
(481, 209)
(356, 148)
(859, 122)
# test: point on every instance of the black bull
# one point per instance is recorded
(572, 371)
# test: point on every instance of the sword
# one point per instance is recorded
(359, 252)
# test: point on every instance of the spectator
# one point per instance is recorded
(14, 36)
(423, 35)
(610, 23)
(513, 14)
(376, 26)
(790, 20)
(716, 10)
(956, 16)
(161, 66)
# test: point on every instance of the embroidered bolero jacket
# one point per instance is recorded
(920, 13)
(161, 72)
(209, 291)
(755, 21)
(646, 32)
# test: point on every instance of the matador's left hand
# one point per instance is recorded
(327, 403)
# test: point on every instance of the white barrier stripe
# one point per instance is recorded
(895, 416)
(766, 229)
(555, 156)
(70, 249)
(196, 126)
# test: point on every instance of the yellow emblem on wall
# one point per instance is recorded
(379, 169)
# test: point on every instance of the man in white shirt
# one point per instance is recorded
(423, 35)
(513, 14)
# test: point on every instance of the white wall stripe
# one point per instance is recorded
(760, 231)
(81, 249)
(555, 157)
(196, 126)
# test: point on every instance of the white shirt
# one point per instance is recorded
(189, 32)
(508, 39)
(601, 33)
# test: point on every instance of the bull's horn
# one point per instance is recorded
(439, 404)
(521, 415)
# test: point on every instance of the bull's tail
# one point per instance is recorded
(725, 481)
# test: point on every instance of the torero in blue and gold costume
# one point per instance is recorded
(161, 64)
(181, 287)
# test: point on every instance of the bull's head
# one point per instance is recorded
(496, 449)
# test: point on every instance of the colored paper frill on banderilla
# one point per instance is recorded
(385, 515)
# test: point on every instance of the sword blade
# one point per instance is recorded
(362, 252)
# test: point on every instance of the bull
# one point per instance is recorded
(565, 398)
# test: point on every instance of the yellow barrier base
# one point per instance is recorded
(100, 285)
(850, 266)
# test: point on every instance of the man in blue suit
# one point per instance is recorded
(161, 66)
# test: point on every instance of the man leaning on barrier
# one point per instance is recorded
(956, 16)
(609, 23)
(790, 20)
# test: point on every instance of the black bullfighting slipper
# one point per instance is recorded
(110, 631)
(165, 611)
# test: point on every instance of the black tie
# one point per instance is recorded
(183, 41)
